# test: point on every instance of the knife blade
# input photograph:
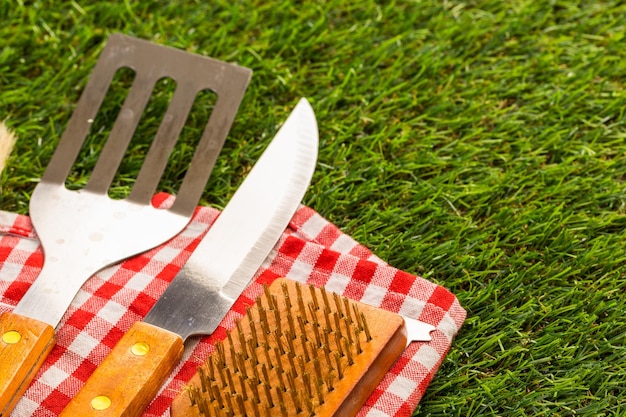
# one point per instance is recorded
(211, 280)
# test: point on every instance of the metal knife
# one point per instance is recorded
(212, 279)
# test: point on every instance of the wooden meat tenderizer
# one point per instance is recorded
(299, 351)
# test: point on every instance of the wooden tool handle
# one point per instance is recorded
(24, 345)
(130, 376)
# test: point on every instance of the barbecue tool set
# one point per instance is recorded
(348, 346)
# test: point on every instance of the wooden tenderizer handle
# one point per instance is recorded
(24, 346)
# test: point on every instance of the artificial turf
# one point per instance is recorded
(480, 144)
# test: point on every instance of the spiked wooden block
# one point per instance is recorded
(299, 351)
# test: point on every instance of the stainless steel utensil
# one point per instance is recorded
(84, 231)
(212, 279)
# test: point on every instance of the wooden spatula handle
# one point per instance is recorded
(24, 345)
(130, 376)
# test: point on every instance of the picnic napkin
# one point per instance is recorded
(310, 250)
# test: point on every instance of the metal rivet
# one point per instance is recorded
(101, 402)
(140, 349)
(11, 337)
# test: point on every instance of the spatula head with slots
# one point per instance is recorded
(84, 231)
(299, 351)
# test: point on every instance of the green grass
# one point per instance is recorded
(481, 144)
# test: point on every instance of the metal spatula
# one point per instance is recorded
(84, 231)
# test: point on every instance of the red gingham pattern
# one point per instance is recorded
(311, 250)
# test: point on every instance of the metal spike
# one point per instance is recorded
(357, 317)
(252, 353)
(325, 298)
(221, 355)
(254, 386)
(242, 365)
(278, 328)
(274, 303)
(348, 352)
(204, 380)
(292, 326)
(281, 402)
(265, 374)
(300, 300)
(357, 339)
(339, 345)
(305, 352)
(319, 385)
(338, 304)
(306, 379)
(286, 296)
(326, 350)
(327, 314)
(302, 324)
(346, 303)
(348, 332)
(242, 384)
(330, 380)
(366, 327)
(242, 340)
(240, 403)
(268, 395)
(218, 396)
(255, 409)
(229, 405)
(231, 386)
(338, 367)
(337, 323)
(266, 352)
(263, 319)
(268, 296)
(289, 336)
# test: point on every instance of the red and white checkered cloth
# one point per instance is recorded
(310, 250)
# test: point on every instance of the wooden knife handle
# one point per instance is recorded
(24, 346)
(130, 376)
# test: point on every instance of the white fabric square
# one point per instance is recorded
(402, 387)
(139, 282)
(27, 245)
(313, 226)
(374, 295)
(166, 254)
(112, 312)
(376, 413)
(448, 327)
(343, 244)
(54, 376)
(427, 356)
(337, 283)
(300, 271)
(412, 307)
(81, 298)
(10, 272)
(26, 407)
(7, 218)
(82, 345)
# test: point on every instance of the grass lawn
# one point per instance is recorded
(480, 144)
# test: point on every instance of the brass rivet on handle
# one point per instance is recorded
(101, 402)
(11, 337)
(140, 349)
